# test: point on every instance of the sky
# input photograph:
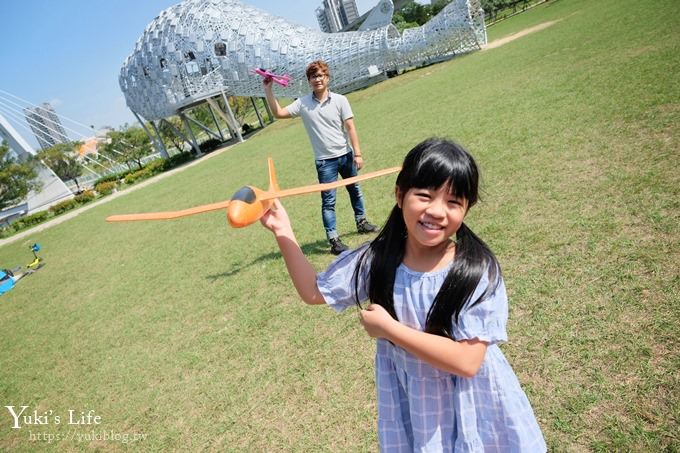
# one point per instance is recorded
(69, 53)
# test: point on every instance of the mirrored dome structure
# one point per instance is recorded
(200, 49)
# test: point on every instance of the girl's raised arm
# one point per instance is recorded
(299, 268)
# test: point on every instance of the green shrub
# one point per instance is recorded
(30, 220)
(84, 197)
(177, 160)
(155, 166)
(63, 206)
(113, 177)
(210, 145)
(106, 187)
(137, 176)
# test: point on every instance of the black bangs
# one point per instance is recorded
(434, 163)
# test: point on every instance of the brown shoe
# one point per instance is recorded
(337, 247)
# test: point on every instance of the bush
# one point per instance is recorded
(63, 206)
(155, 166)
(177, 160)
(84, 197)
(106, 187)
(210, 145)
(30, 220)
(112, 177)
(137, 176)
(6, 232)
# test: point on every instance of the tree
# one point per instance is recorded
(16, 179)
(242, 107)
(127, 146)
(167, 133)
(416, 13)
(492, 7)
(400, 23)
(113, 147)
(139, 144)
(438, 5)
(413, 15)
(63, 160)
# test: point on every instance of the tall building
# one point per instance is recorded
(46, 125)
(334, 15)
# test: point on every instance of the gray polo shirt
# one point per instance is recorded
(324, 123)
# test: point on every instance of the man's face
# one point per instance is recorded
(318, 81)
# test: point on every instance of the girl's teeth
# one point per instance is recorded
(430, 225)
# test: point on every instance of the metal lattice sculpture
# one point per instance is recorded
(200, 48)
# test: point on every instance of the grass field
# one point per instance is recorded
(189, 333)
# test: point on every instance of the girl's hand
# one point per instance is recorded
(276, 219)
(376, 320)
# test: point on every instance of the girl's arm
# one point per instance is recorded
(299, 268)
(462, 358)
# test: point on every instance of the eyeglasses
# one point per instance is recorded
(317, 76)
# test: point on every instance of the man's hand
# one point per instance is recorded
(359, 162)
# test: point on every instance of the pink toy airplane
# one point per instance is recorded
(282, 80)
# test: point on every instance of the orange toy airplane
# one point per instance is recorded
(250, 203)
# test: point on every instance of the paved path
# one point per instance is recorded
(73, 213)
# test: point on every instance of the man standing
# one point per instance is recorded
(329, 122)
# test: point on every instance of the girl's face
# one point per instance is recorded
(431, 216)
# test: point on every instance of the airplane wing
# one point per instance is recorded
(269, 195)
(282, 80)
(168, 215)
(327, 186)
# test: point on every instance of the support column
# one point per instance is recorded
(233, 121)
(177, 132)
(217, 124)
(257, 112)
(160, 148)
(164, 150)
(269, 111)
(187, 126)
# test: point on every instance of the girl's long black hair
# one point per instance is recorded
(430, 165)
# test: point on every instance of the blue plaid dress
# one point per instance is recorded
(423, 409)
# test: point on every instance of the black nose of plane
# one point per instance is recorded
(244, 194)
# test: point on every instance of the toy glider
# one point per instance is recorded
(282, 80)
(250, 203)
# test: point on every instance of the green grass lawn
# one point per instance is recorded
(190, 334)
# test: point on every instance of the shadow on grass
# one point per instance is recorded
(315, 248)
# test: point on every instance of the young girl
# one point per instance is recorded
(438, 309)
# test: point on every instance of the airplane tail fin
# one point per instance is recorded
(273, 183)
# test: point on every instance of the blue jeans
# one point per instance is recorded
(327, 170)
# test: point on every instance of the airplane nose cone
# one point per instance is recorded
(235, 214)
(244, 208)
